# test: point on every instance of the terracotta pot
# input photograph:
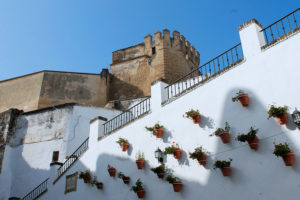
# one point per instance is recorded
(141, 193)
(160, 175)
(243, 98)
(253, 143)
(202, 159)
(177, 185)
(112, 171)
(226, 171)
(197, 119)
(99, 185)
(126, 179)
(158, 132)
(124, 146)
(289, 159)
(86, 180)
(177, 153)
(282, 119)
(225, 137)
(140, 164)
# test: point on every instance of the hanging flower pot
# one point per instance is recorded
(289, 159)
(160, 170)
(126, 179)
(224, 165)
(253, 143)
(285, 152)
(99, 185)
(250, 137)
(123, 143)
(157, 130)
(195, 115)
(282, 119)
(140, 164)
(86, 179)
(111, 170)
(223, 133)
(160, 175)
(177, 153)
(141, 193)
(242, 97)
(177, 184)
(279, 112)
(199, 155)
(86, 176)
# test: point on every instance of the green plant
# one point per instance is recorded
(94, 181)
(192, 113)
(121, 140)
(85, 175)
(222, 163)
(120, 175)
(171, 179)
(281, 149)
(219, 131)
(138, 186)
(277, 111)
(160, 169)
(109, 166)
(197, 153)
(156, 126)
(238, 94)
(171, 149)
(249, 136)
(140, 156)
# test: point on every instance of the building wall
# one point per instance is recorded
(269, 77)
(28, 154)
(135, 68)
(21, 93)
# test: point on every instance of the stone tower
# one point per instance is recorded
(133, 69)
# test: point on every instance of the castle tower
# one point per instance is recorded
(134, 68)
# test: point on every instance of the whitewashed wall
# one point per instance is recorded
(270, 76)
(64, 129)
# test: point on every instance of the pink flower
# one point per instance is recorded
(183, 115)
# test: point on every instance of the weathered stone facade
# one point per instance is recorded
(134, 69)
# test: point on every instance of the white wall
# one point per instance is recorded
(63, 129)
(272, 76)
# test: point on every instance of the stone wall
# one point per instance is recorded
(135, 68)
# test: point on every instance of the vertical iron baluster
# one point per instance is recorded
(282, 26)
(295, 20)
(231, 56)
(272, 33)
(223, 60)
(288, 23)
(266, 36)
(218, 63)
(237, 57)
(214, 66)
(227, 59)
(277, 30)
(209, 69)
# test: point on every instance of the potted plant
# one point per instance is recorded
(97, 183)
(285, 152)
(199, 154)
(195, 115)
(123, 143)
(174, 149)
(160, 170)
(224, 165)
(111, 170)
(156, 130)
(177, 184)
(86, 176)
(126, 179)
(140, 159)
(242, 97)
(223, 133)
(250, 137)
(279, 112)
(138, 189)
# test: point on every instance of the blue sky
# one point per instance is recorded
(79, 36)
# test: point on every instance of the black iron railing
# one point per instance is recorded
(38, 191)
(206, 71)
(282, 26)
(72, 159)
(127, 116)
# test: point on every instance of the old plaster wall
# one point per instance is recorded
(21, 93)
(135, 68)
(64, 87)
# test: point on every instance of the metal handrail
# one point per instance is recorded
(281, 27)
(37, 191)
(127, 116)
(205, 71)
(71, 159)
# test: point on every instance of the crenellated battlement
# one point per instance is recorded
(151, 46)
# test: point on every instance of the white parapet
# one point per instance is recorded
(252, 38)
(159, 94)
